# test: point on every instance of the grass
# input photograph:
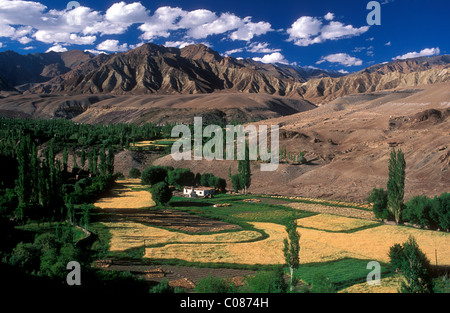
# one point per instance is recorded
(240, 212)
(334, 246)
(341, 273)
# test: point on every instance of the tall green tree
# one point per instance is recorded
(25, 183)
(65, 159)
(396, 184)
(82, 158)
(245, 170)
(291, 249)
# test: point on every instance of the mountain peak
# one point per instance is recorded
(200, 52)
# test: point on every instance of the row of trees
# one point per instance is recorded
(72, 135)
(420, 210)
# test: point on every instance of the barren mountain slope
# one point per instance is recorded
(158, 109)
(348, 143)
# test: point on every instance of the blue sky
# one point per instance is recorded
(326, 34)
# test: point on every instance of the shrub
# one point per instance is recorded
(419, 210)
(379, 199)
(414, 265)
(181, 177)
(164, 287)
(134, 173)
(154, 174)
(265, 282)
(396, 256)
(441, 210)
(161, 193)
(213, 284)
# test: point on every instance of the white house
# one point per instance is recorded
(192, 192)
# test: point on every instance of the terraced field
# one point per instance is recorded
(251, 233)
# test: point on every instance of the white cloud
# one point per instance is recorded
(343, 72)
(233, 51)
(178, 44)
(337, 30)
(261, 47)
(422, 53)
(63, 37)
(30, 20)
(308, 30)
(304, 28)
(57, 48)
(112, 45)
(329, 16)
(163, 21)
(93, 51)
(250, 30)
(388, 43)
(127, 13)
(275, 57)
(341, 58)
(1, 44)
(29, 48)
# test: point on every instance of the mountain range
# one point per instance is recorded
(345, 124)
(197, 69)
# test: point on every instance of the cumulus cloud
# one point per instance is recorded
(341, 58)
(308, 30)
(57, 48)
(250, 30)
(422, 53)
(112, 45)
(26, 21)
(200, 24)
(261, 47)
(233, 51)
(275, 57)
(329, 16)
(180, 44)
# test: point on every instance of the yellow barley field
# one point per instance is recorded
(315, 245)
(389, 284)
(374, 243)
(126, 235)
(267, 251)
(333, 223)
(124, 197)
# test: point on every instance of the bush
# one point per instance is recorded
(164, 287)
(414, 265)
(213, 284)
(441, 210)
(426, 212)
(396, 256)
(161, 193)
(154, 174)
(419, 210)
(266, 282)
(380, 204)
(134, 173)
(181, 177)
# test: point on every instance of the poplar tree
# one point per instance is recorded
(396, 183)
(245, 170)
(291, 249)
